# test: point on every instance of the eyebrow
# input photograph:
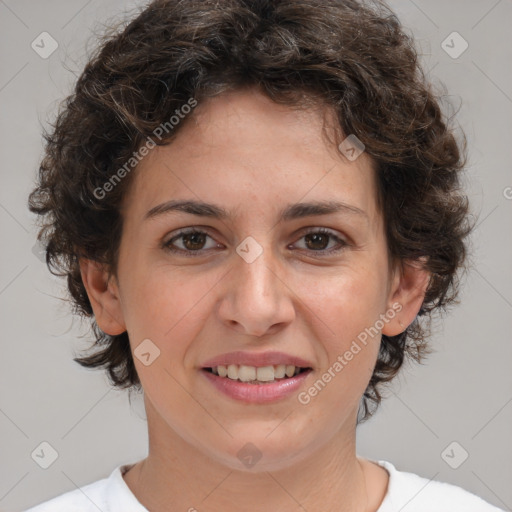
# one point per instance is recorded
(290, 212)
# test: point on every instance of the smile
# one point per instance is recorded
(257, 385)
(256, 375)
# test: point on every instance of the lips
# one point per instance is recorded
(257, 377)
(256, 374)
(255, 359)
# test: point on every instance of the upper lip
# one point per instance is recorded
(256, 359)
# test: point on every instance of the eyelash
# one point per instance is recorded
(188, 253)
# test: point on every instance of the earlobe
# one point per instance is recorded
(410, 285)
(103, 294)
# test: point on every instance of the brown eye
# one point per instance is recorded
(191, 241)
(318, 240)
(194, 241)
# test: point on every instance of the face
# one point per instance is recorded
(254, 286)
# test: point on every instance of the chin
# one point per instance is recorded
(259, 453)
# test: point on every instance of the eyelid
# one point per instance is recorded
(166, 244)
(340, 239)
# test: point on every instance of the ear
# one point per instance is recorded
(410, 283)
(103, 294)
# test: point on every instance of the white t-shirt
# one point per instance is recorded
(407, 492)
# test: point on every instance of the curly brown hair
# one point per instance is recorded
(352, 56)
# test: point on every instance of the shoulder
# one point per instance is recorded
(89, 497)
(110, 494)
(414, 493)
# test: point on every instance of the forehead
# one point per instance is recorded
(247, 153)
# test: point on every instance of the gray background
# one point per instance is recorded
(464, 391)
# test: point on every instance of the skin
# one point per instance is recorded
(253, 157)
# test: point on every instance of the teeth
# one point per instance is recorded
(265, 373)
(233, 371)
(246, 373)
(279, 371)
(290, 370)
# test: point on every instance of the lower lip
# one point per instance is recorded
(257, 393)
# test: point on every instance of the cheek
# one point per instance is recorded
(166, 306)
(347, 309)
(349, 301)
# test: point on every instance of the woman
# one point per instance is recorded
(258, 205)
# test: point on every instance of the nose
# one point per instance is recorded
(256, 299)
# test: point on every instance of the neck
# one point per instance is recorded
(177, 475)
